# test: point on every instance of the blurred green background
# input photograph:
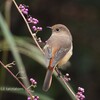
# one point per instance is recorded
(82, 17)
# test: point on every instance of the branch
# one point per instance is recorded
(32, 34)
(5, 66)
(64, 80)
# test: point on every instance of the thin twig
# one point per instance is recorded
(66, 84)
(69, 88)
(28, 26)
(17, 80)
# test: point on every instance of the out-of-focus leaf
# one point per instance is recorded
(10, 40)
(21, 91)
(26, 48)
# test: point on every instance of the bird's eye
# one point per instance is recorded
(57, 29)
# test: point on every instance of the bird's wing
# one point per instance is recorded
(59, 55)
(56, 54)
(48, 54)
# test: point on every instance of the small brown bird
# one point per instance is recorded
(58, 50)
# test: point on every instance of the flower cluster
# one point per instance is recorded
(34, 98)
(24, 9)
(33, 82)
(80, 94)
(30, 19)
(37, 28)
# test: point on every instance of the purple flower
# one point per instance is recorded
(35, 20)
(29, 98)
(34, 28)
(81, 89)
(24, 9)
(33, 81)
(32, 20)
(21, 6)
(80, 94)
(39, 28)
(34, 98)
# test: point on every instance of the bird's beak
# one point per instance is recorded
(49, 27)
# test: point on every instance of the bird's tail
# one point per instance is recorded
(47, 80)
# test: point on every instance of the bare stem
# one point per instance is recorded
(17, 80)
(27, 26)
(70, 91)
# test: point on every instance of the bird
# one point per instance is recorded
(57, 51)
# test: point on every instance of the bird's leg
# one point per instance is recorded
(65, 77)
(58, 71)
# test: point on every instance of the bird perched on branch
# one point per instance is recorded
(58, 50)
